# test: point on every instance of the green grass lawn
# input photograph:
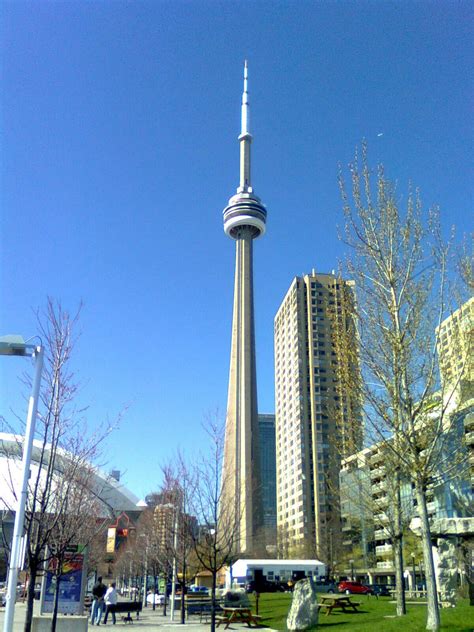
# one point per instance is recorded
(375, 615)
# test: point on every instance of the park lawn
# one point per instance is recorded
(273, 607)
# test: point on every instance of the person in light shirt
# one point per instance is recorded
(110, 601)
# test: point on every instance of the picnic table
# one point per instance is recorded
(238, 615)
(337, 602)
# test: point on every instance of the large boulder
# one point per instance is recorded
(304, 607)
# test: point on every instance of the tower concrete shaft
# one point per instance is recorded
(244, 220)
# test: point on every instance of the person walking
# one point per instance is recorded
(110, 601)
(97, 607)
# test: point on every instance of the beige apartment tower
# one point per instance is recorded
(241, 504)
(315, 422)
(455, 338)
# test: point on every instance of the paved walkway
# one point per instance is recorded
(149, 621)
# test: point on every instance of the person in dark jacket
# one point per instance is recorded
(98, 604)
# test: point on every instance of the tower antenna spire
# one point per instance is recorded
(245, 139)
(245, 102)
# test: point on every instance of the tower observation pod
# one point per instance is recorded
(241, 509)
(245, 210)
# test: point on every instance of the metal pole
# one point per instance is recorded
(145, 579)
(20, 511)
(175, 570)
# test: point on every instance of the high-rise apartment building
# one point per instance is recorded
(455, 350)
(241, 504)
(315, 422)
(266, 441)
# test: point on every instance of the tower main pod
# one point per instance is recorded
(241, 501)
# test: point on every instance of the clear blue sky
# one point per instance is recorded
(119, 152)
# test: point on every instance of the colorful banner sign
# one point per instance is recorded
(111, 532)
(70, 583)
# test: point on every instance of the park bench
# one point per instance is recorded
(128, 607)
(201, 605)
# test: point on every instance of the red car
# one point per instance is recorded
(354, 587)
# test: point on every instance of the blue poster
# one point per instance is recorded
(70, 583)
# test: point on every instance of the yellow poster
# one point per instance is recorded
(111, 539)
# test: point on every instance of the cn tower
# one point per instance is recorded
(244, 220)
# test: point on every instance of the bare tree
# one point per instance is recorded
(178, 488)
(63, 444)
(400, 265)
(216, 540)
(78, 515)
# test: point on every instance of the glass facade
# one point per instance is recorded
(266, 426)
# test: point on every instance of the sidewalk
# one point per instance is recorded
(149, 621)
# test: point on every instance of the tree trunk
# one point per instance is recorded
(56, 604)
(398, 553)
(30, 597)
(166, 595)
(432, 618)
(183, 590)
(213, 601)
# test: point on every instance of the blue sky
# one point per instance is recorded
(119, 152)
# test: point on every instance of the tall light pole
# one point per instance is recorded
(145, 574)
(414, 575)
(16, 346)
(175, 564)
(351, 562)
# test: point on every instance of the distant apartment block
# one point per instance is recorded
(266, 442)
(456, 350)
(314, 420)
(367, 493)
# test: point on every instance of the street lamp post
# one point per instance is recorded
(351, 562)
(145, 574)
(16, 346)
(175, 565)
(414, 574)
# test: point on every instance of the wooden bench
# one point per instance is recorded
(128, 607)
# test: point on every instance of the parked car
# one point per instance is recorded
(325, 586)
(264, 585)
(382, 590)
(203, 590)
(354, 587)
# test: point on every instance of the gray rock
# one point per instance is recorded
(304, 607)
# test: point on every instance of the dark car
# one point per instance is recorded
(354, 587)
(264, 585)
(381, 590)
(325, 586)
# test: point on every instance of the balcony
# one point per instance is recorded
(381, 534)
(378, 472)
(376, 458)
(385, 565)
(379, 487)
(383, 549)
(381, 518)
